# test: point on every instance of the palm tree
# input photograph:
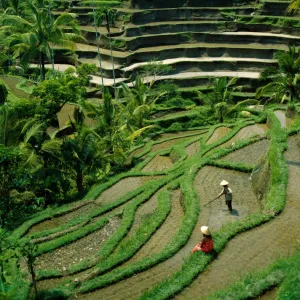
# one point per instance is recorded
(34, 34)
(284, 77)
(293, 7)
(141, 100)
(108, 16)
(221, 95)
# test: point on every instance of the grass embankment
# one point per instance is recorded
(275, 202)
(283, 273)
(186, 168)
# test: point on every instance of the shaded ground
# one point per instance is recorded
(158, 163)
(249, 154)
(123, 187)
(258, 247)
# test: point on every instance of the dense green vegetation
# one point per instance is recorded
(58, 146)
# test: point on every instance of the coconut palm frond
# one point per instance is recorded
(293, 7)
(52, 146)
(242, 104)
(138, 132)
(34, 130)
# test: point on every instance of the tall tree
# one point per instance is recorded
(283, 78)
(34, 35)
(220, 95)
(107, 15)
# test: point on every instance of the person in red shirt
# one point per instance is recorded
(206, 245)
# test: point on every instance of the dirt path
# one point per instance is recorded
(258, 247)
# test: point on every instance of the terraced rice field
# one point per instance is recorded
(140, 230)
(132, 236)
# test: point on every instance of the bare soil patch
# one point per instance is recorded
(158, 163)
(284, 121)
(218, 133)
(192, 149)
(245, 133)
(165, 233)
(168, 144)
(123, 187)
(64, 257)
(135, 286)
(249, 154)
(180, 133)
(258, 247)
(58, 221)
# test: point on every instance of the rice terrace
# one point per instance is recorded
(150, 149)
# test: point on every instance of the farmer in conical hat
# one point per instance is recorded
(206, 245)
(228, 194)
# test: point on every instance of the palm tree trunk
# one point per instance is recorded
(113, 65)
(42, 65)
(98, 48)
(111, 55)
(79, 180)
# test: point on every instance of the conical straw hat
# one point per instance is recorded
(224, 182)
(205, 230)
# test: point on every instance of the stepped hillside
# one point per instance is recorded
(199, 39)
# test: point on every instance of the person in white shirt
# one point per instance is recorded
(228, 194)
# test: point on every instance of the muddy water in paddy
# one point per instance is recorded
(192, 149)
(216, 214)
(65, 257)
(218, 133)
(58, 221)
(123, 187)
(250, 154)
(180, 133)
(135, 286)
(269, 295)
(168, 144)
(165, 233)
(245, 133)
(284, 121)
(258, 247)
(158, 163)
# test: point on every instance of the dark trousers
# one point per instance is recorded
(229, 204)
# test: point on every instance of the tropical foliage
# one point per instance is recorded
(220, 95)
(31, 33)
(283, 80)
